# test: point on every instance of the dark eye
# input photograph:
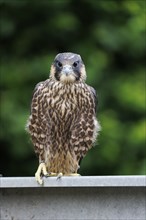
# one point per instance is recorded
(59, 64)
(75, 64)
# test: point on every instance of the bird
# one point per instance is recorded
(62, 124)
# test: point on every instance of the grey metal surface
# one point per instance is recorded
(81, 181)
(123, 200)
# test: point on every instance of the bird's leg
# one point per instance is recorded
(41, 170)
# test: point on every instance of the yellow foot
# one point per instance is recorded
(41, 170)
(72, 174)
(59, 175)
(51, 174)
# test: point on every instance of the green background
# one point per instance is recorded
(110, 37)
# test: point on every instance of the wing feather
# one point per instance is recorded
(87, 127)
(94, 94)
(37, 125)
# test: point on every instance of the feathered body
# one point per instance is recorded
(63, 124)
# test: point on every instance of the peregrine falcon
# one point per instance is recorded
(63, 124)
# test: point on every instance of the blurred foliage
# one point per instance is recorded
(110, 36)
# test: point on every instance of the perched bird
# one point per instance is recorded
(63, 124)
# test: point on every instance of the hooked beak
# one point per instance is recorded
(67, 70)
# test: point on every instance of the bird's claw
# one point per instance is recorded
(41, 170)
(59, 175)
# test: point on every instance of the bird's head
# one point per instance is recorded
(68, 68)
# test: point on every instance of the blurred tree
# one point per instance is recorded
(110, 36)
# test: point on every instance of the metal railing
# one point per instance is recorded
(73, 198)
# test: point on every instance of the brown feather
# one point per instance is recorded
(62, 124)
